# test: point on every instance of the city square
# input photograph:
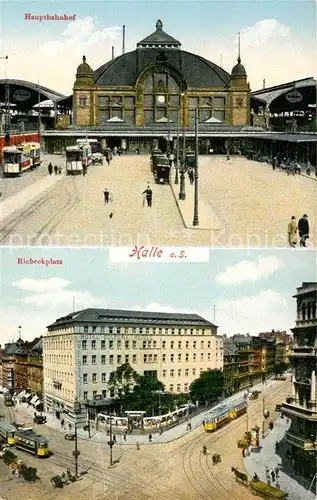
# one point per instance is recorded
(38, 209)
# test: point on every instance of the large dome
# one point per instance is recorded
(159, 47)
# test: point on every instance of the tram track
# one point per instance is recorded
(56, 215)
(202, 478)
(48, 227)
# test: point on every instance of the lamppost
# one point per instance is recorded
(111, 441)
(196, 216)
(182, 194)
(177, 148)
(76, 453)
(160, 408)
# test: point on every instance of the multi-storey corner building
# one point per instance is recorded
(301, 406)
(83, 348)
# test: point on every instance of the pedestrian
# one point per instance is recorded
(50, 168)
(114, 439)
(119, 151)
(148, 195)
(150, 438)
(55, 169)
(292, 232)
(267, 472)
(273, 475)
(138, 150)
(203, 423)
(277, 471)
(108, 158)
(60, 170)
(84, 170)
(106, 195)
(124, 437)
(277, 485)
(303, 230)
(138, 446)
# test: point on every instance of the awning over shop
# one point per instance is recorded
(27, 396)
(33, 400)
(38, 403)
(21, 394)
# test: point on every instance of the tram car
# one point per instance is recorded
(77, 158)
(161, 170)
(7, 433)
(223, 415)
(8, 399)
(32, 443)
(35, 154)
(16, 159)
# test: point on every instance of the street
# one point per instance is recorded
(177, 470)
(244, 204)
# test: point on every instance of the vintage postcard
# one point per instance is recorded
(107, 370)
(173, 123)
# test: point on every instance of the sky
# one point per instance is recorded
(241, 291)
(278, 38)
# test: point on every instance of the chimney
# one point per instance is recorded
(263, 86)
(112, 52)
(123, 39)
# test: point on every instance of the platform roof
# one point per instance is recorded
(26, 94)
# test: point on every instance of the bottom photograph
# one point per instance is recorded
(158, 380)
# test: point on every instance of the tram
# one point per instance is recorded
(8, 399)
(223, 415)
(16, 159)
(78, 158)
(25, 440)
(32, 443)
(7, 433)
(35, 154)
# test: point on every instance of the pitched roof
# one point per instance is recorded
(159, 37)
(114, 316)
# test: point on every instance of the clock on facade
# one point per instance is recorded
(161, 99)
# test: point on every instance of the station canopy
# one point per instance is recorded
(299, 95)
(24, 95)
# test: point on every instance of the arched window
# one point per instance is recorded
(161, 98)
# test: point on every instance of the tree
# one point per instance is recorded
(208, 387)
(145, 394)
(123, 379)
(280, 368)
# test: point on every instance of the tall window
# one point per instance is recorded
(161, 98)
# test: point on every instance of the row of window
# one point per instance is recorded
(147, 344)
(58, 375)
(61, 359)
(172, 387)
(66, 393)
(148, 358)
(165, 373)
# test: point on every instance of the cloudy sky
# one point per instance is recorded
(250, 289)
(278, 38)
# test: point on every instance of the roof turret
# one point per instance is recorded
(84, 70)
(159, 39)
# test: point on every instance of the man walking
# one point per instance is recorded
(148, 194)
(292, 232)
(106, 195)
(50, 168)
(303, 230)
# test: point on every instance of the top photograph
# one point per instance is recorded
(186, 124)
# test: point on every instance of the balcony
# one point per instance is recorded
(306, 410)
(300, 442)
(301, 351)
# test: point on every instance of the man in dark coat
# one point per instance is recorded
(303, 230)
(106, 195)
(50, 168)
(148, 194)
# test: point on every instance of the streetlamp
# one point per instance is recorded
(177, 148)
(182, 194)
(160, 408)
(111, 442)
(76, 453)
(196, 216)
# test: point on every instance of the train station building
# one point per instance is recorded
(148, 97)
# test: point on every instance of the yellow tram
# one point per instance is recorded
(7, 433)
(223, 415)
(31, 442)
(25, 440)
